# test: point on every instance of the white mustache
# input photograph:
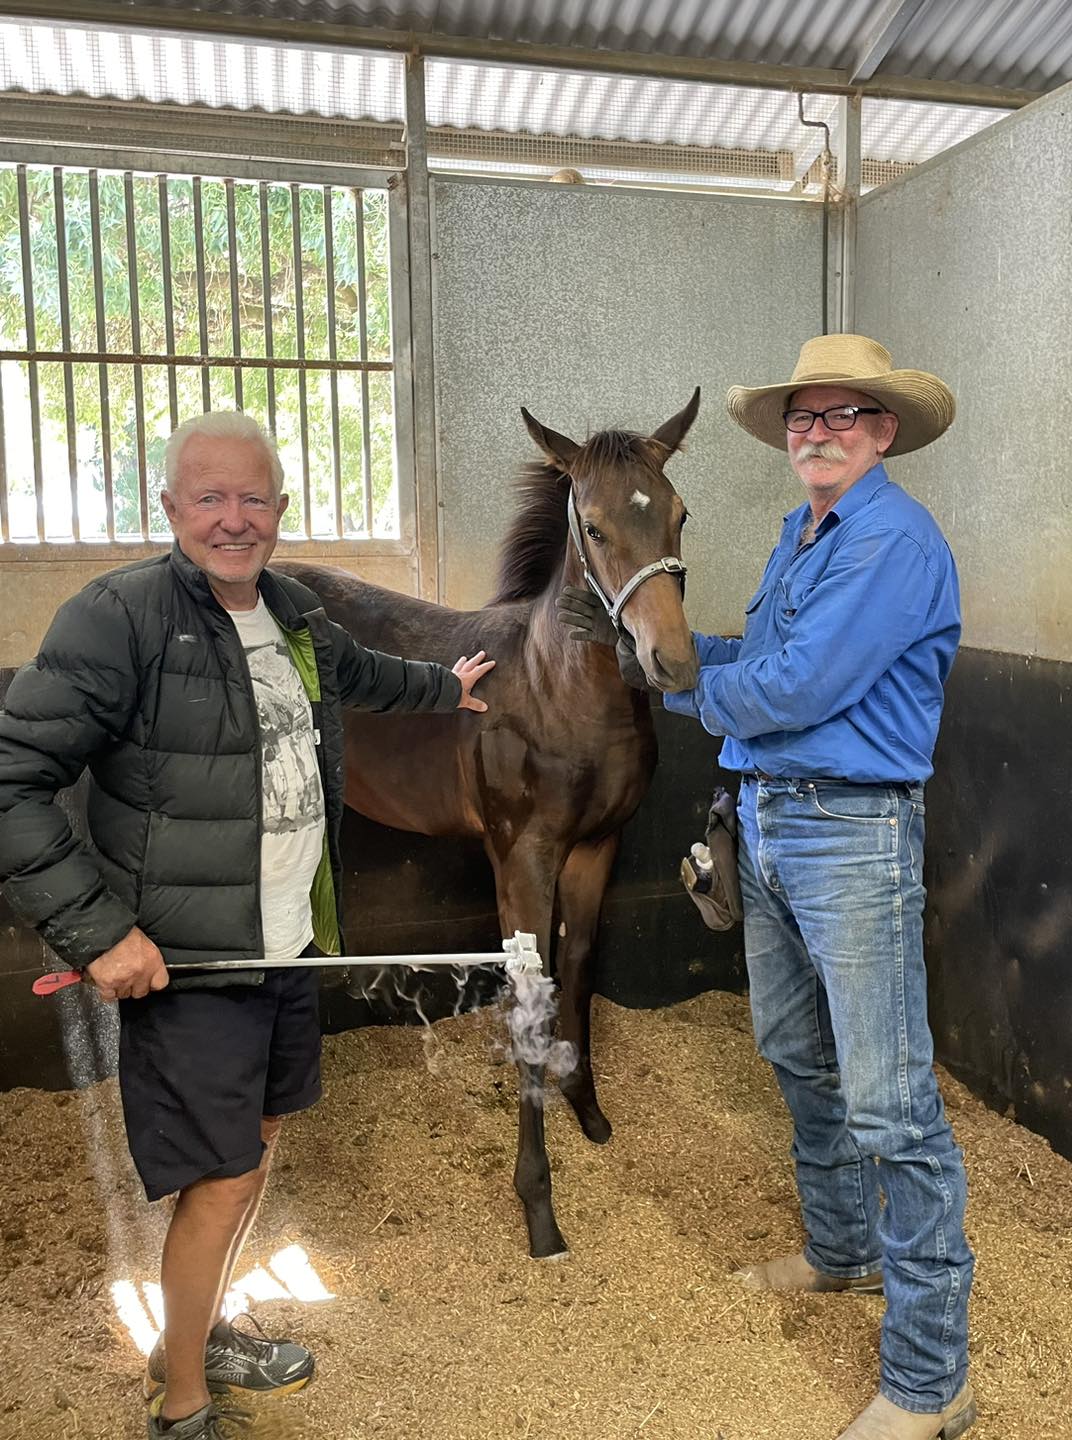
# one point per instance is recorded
(824, 450)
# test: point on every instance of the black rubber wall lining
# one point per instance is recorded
(999, 876)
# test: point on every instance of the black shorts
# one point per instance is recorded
(198, 1069)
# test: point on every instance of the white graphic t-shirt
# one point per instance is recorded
(292, 799)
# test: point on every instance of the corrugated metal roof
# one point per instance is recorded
(462, 95)
(1018, 43)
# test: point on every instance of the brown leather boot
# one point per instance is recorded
(882, 1420)
(793, 1272)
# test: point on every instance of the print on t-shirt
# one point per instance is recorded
(291, 795)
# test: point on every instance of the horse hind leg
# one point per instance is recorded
(580, 895)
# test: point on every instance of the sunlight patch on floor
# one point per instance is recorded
(289, 1275)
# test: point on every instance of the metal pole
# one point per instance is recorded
(202, 309)
(266, 301)
(102, 345)
(849, 168)
(232, 262)
(169, 299)
(299, 328)
(31, 344)
(333, 379)
(135, 343)
(421, 319)
(362, 333)
(65, 336)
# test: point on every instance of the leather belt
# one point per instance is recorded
(747, 775)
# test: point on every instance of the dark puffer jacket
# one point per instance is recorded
(142, 678)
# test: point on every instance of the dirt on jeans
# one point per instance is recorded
(398, 1188)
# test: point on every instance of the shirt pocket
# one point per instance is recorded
(792, 592)
(752, 609)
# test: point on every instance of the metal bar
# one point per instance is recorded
(329, 279)
(267, 29)
(202, 311)
(266, 299)
(5, 527)
(843, 256)
(169, 299)
(102, 341)
(232, 260)
(31, 345)
(210, 362)
(402, 353)
(421, 316)
(135, 341)
(895, 19)
(362, 331)
(65, 334)
(299, 330)
(156, 159)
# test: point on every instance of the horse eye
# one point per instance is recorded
(685, 514)
(593, 533)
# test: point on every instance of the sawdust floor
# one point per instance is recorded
(398, 1187)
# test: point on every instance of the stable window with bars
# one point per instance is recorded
(132, 301)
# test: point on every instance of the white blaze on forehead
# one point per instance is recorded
(640, 500)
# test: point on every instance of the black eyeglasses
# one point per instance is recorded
(840, 417)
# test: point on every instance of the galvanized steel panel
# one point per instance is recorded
(598, 308)
(965, 269)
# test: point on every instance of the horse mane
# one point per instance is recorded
(532, 550)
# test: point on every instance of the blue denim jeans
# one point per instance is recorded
(832, 881)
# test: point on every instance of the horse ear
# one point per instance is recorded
(676, 428)
(558, 448)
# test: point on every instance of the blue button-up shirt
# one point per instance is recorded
(847, 645)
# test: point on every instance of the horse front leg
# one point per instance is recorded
(525, 880)
(581, 886)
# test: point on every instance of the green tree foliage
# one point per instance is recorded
(352, 217)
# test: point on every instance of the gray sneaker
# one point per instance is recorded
(207, 1424)
(237, 1359)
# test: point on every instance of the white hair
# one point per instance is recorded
(221, 425)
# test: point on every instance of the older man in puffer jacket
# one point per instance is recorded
(204, 694)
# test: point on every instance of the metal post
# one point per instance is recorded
(421, 317)
(232, 264)
(202, 307)
(299, 332)
(362, 333)
(102, 346)
(169, 299)
(31, 344)
(843, 258)
(333, 377)
(65, 334)
(266, 302)
(135, 345)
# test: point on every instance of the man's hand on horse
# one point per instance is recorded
(469, 671)
(582, 612)
(129, 970)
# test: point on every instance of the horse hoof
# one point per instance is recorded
(551, 1247)
(552, 1259)
(597, 1127)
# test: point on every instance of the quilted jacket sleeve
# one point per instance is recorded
(70, 703)
(371, 680)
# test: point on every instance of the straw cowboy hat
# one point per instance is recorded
(922, 403)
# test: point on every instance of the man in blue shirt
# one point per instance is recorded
(830, 707)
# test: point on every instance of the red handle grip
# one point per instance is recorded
(49, 984)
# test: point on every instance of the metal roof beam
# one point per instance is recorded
(111, 14)
(891, 25)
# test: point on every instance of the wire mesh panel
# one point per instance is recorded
(129, 302)
(896, 135)
(613, 127)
